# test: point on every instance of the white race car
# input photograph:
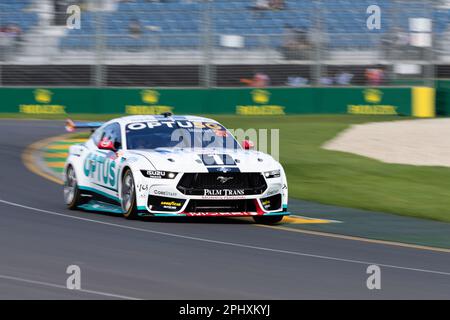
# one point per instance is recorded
(167, 165)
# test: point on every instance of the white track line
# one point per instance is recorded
(52, 285)
(226, 243)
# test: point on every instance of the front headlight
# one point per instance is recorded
(272, 174)
(157, 174)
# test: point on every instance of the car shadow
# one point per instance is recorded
(189, 220)
(199, 220)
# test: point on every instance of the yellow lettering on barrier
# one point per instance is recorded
(42, 109)
(147, 109)
(368, 109)
(260, 110)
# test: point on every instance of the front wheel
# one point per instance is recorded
(72, 194)
(128, 196)
(267, 219)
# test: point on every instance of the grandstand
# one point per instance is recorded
(180, 23)
(18, 13)
(220, 32)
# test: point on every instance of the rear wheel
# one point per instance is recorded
(128, 196)
(72, 194)
(267, 219)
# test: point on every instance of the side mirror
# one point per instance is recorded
(248, 144)
(106, 144)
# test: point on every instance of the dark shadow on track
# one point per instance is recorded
(192, 220)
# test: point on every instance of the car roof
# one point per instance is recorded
(144, 118)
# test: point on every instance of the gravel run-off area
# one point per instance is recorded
(415, 142)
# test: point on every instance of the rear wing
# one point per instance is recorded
(71, 126)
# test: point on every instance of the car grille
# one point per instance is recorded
(195, 183)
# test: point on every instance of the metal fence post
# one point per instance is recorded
(207, 79)
(429, 73)
(99, 52)
(319, 34)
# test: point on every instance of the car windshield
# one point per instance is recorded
(178, 134)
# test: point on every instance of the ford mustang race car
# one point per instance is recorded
(166, 165)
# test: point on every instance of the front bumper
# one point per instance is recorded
(214, 214)
(166, 198)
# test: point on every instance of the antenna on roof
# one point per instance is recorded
(167, 114)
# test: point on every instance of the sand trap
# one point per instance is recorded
(415, 142)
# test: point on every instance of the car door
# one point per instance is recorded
(105, 162)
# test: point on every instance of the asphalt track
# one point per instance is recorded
(183, 259)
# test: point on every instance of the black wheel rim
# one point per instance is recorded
(127, 192)
(70, 185)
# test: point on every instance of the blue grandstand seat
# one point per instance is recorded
(180, 22)
(14, 12)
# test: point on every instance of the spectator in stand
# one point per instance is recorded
(326, 81)
(260, 80)
(374, 76)
(268, 5)
(296, 45)
(16, 32)
(297, 82)
(276, 4)
(261, 5)
(343, 78)
(11, 39)
(135, 28)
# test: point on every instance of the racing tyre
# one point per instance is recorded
(267, 219)
(72, 194)
(128, 196)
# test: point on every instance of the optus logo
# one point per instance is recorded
(101, 169)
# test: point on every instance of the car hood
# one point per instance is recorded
(198, 160)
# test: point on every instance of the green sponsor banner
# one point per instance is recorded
(443, 97)
(245, 101)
